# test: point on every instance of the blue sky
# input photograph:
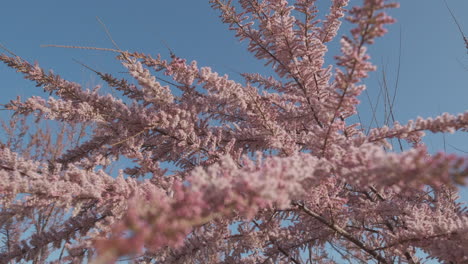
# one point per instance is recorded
(433, 75)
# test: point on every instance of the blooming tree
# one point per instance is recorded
(270, 170)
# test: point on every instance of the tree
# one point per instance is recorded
(271, 170)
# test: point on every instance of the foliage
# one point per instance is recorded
(267, 171)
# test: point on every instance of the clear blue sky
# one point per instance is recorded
(434, 62)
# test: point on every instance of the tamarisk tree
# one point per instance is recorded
(269, 170)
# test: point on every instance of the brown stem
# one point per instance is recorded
(391, 228)
(280, 249)
(341, 232)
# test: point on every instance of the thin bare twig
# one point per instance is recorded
(280, 249)
(341, 232)
(465, 39)
(7, 50)
(461, 150)
(80, 47)
(108, 33)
